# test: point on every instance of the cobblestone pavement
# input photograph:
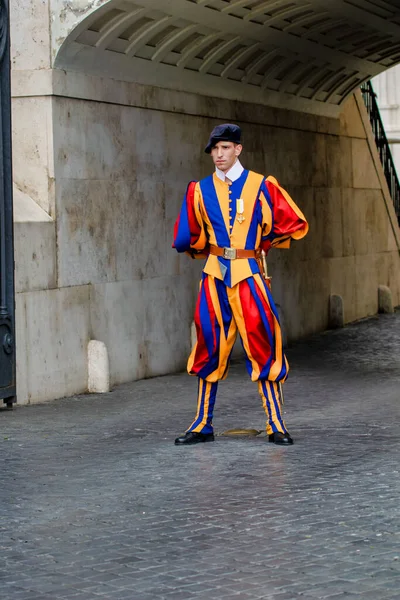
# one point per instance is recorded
(97, 502)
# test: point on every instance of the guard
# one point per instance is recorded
(229, 218)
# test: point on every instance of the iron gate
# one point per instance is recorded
(7, 333)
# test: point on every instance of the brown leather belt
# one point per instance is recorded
(233, 253)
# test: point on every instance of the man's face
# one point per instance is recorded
(225, 154)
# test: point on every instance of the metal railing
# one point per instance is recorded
(382, 144)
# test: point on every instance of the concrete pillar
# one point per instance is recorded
(336, 311)
(385, 303)
(98, 368)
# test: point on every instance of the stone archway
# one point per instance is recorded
(304, 55)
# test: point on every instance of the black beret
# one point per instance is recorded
(223, 133)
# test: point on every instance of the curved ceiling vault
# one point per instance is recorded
(308, 55)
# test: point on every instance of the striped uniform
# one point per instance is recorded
(234, 297)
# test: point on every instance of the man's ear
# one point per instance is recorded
(238, 149)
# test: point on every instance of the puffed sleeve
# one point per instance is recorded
(189, 231)
(282, 220)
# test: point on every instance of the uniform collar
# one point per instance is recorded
(233, 174)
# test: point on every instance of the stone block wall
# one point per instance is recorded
(108, 163)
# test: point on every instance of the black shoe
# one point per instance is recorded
(192, 437)
(283, 439)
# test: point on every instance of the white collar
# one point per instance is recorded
(234, 172)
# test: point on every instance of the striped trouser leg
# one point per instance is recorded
(207, 393)
(257, 320)
(271, 399)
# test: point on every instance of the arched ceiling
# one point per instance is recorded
(295, 53)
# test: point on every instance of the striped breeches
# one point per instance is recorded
(222, 312)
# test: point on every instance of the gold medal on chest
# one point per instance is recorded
(240, 210)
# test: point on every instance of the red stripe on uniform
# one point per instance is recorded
(266, 307)
(201, 357)
(256, 333)
(286, 221)
(194, 227)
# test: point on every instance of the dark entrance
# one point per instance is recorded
(7, 335)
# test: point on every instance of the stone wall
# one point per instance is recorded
(108, 163)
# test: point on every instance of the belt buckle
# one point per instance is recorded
(230, 253)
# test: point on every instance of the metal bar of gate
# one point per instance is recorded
(7, 325)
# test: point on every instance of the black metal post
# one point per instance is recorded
(7, 320)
